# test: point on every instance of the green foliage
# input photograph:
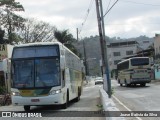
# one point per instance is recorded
(64, 36)
(2, 90)
(8, 19)
(12, 5)
(100, 107)
(1, 36)
(67, 39)
(15, 38)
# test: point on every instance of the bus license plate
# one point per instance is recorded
(35, 100)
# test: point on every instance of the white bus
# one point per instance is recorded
(136, 70)
(45, 74)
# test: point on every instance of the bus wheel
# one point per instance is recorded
(78, 97)
(26, 107)
(143, 84)
(118, 81)
(65, 105)
(126, 84)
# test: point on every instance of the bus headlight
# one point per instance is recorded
(15, 93)
(54, 92)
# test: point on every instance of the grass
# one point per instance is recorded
(100, 106)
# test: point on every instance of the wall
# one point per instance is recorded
(5, 52)
(122, 50)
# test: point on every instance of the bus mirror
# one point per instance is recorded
(5, 65)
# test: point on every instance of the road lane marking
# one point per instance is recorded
(125, 106)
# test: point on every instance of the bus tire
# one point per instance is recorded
(65, 105)
(126, 84)
(79, 94)
(26, 107)
(118, 81)
(143, 84)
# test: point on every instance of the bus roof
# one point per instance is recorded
(45, 43)
(38, 44)
(130, 59)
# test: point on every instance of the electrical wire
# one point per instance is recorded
(139, 3)
(110, 9)
(86, 16)
(108, 5)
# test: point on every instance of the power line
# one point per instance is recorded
(108, 5)
(86, 16)
(139, 3)
(110, 9)
(132, 24)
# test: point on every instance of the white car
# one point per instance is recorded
(99, 80)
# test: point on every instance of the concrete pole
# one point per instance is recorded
(105, 52)
(85, 59)
(77, 34)
(103, 47)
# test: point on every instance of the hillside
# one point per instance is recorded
(92, 45)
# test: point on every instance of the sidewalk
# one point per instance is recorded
(109, 106)
(155, 81)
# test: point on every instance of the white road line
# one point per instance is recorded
(124, 106)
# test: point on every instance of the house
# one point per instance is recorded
(120, 49)
(117, 50)
(157, 48)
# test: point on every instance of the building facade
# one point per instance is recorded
(157, 48)
(157, 56)
(116, 51)
(5, 52)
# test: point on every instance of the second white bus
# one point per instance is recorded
(136, 70)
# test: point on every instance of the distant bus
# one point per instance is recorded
(136, 70)
(45, 74)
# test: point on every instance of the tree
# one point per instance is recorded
(2, 40)
(9, 19)
(1, 36)
(36, 31)
(64, 36)
(67, 39)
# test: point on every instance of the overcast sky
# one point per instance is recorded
(128, 18)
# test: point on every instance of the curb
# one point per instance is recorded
(155, 81)
(108, 105)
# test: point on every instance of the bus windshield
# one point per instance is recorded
(41, 72)
(139, 61)
(35, 66)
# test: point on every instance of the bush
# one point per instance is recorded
(2, 90)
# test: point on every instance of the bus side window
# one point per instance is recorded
(63, 78)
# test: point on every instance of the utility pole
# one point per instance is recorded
(105, 49)
(77, 34)
(107, 83)
(85, 58)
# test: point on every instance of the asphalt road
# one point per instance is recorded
(137, 98)
(90, 101)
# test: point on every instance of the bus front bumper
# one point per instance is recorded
(55, 99)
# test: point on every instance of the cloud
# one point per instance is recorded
(126, 19)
